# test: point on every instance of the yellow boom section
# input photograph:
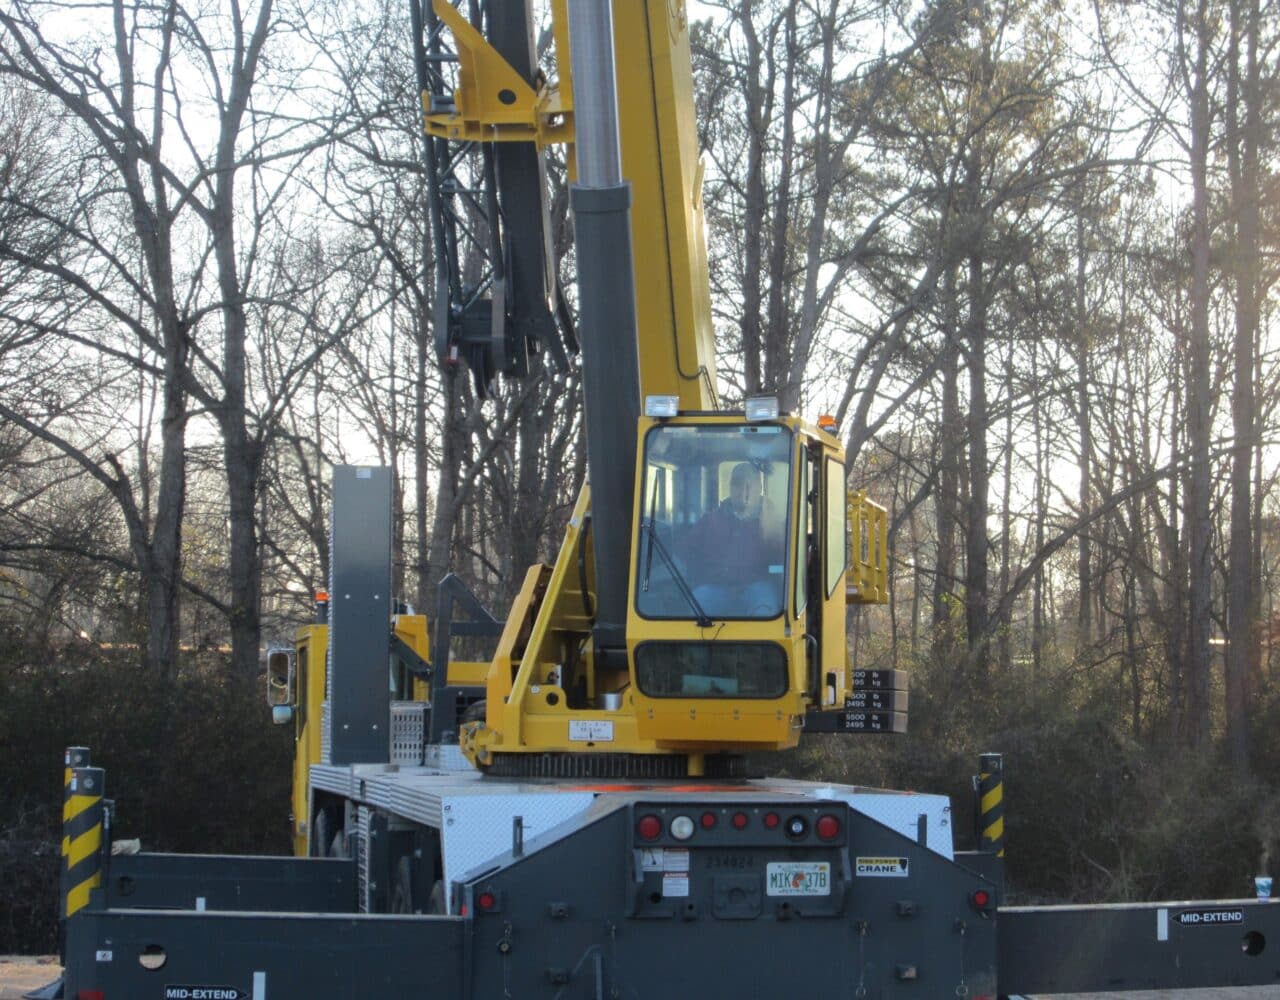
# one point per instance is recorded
(660, 160)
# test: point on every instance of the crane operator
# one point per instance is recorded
(733, 564)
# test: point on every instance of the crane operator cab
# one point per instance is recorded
(742, 545)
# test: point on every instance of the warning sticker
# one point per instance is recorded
(591, 731)
(675, 859)
(675, 884)
(881, 867)
(204, 993)
(1204, 918)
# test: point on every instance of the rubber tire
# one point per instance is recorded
(402, 888)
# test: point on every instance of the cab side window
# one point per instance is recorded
(837, 525)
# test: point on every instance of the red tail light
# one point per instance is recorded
(649, 828)
(827, 827)
(90, 995)
(740, 821)
(771, 820)
(708, 821)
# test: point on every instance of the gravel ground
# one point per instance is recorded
(17, 975)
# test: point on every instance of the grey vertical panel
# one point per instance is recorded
(360, 615)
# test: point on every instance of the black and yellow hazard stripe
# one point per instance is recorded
(82, 834)
(72, 758)
(991, 803)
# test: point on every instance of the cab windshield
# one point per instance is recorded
(713, 521)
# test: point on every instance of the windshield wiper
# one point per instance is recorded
(703, 620)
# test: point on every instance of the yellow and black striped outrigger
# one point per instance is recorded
(72, 758)
(82, 835)
(991, 803)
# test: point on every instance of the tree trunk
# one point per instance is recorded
(444, 522)
(423, 584)
(1004, 639)
(776, 331)
(755, 204)
(1199, 523)
(949, 456)
(977, 543)
(1242, 143)
(1084, 636)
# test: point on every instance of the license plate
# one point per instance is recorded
(798, 878)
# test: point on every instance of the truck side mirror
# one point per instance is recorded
(282, 684)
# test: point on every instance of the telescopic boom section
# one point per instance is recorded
(601, 202)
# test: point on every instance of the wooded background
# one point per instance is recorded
(1025, 252)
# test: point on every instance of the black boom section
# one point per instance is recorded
(498, 301)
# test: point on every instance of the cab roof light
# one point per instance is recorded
(827, 423)
(661, 406)
(761, 407)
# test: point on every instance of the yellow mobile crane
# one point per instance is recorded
(675, 630)
(669, 626)
(525, 825)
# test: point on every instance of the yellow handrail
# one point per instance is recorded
(867, 581)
